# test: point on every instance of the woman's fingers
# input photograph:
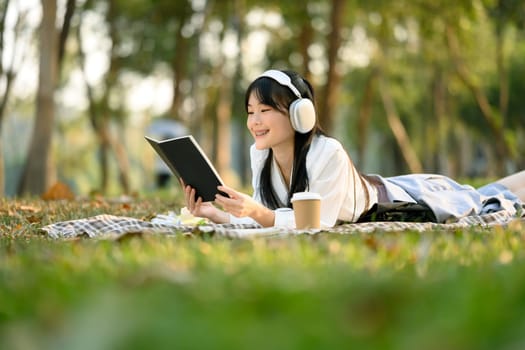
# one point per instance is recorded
(229, 191)
(198, 204)
(187, 194)
(192, 204)
(235, 203)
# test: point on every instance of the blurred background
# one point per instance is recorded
(405, 85)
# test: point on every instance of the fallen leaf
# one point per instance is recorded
(59, 191)
(28, 208)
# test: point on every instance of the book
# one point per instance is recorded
(188, 162)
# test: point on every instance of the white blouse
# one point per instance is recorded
(331, 173)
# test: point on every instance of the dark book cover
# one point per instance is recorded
(188, 162)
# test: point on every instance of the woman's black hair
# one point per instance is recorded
(271, 93)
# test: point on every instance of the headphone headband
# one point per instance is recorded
(282, 79)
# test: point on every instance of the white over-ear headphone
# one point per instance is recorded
(302, 111)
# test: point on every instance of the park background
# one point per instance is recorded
(407, 86)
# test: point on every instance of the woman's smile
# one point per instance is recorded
(261, 133)
(269, 127)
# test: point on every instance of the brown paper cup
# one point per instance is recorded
(307, 210)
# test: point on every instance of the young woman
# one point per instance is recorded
(292, 154)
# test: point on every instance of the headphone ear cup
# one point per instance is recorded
(302, 115)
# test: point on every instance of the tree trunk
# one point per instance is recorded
(223, 129)
(6, 72)
(107, 110)
(223, 110)
(242, 151)
(329, 100)
(178, 65)
(365, 112)
(439, 105)
(3, 104)
(306, 36)
(103, 148)
(64, 33)
(398, 130)
(119, 150)
(502, 72)
(9, 75)
(99, 119)
(494, 121)
(38, 173)
(2, 171)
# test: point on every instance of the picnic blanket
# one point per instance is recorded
(110, 226)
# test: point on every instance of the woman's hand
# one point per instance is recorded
(241, 205)
(202, 209)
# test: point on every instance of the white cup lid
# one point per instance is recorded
(300, 196)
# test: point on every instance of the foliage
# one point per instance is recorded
(207, 51)
(459, 289)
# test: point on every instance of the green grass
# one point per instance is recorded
(437, 290)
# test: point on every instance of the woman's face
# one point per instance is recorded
(269, 127)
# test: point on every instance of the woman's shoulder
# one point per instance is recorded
(326, 150)
(325, 144)
(326, 157)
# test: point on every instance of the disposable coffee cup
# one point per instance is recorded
(307, 210)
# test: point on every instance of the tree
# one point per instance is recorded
(21, 34)
(382, 78)
(100, 111)
(489, 113)
(8, 71)
(38, 172)
(333, 79)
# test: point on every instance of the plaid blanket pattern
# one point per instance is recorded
(104, 225)
(487, 220)
(110, 226)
